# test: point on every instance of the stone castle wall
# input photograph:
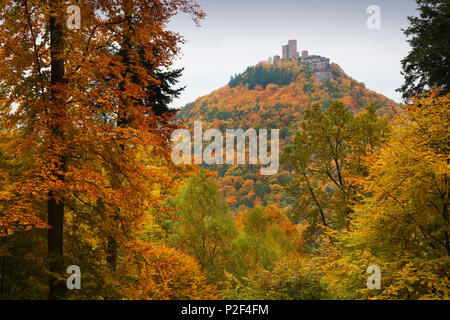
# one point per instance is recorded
(319, 65)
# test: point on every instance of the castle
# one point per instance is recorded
(319, 65)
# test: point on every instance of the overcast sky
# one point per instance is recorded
(240, 33)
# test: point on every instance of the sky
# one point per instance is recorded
(240, 33)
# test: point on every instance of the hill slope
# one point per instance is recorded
(273, 96)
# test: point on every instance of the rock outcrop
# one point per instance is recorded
(320, 66)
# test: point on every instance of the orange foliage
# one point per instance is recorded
(164, 273)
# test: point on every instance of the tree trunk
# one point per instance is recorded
(56, 207)
(122, 121)
(111, 257)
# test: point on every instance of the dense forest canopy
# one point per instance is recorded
(263, 74)
(275, 107)
(92, 206)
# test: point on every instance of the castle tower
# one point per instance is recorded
(292, 49)
(276, 59)
(285, 52)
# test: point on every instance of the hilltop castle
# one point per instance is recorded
(319, 65)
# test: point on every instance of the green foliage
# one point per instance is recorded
(204, 229)
(24, 249)
(428, 63)
(261, 241)
(262, 75)
(292, 278)
(326, 156)
(401, 224)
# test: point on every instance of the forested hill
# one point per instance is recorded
(273, 96)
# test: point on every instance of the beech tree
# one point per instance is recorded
(402, 223)
(63, 96)
(326, 156)
(205, 229)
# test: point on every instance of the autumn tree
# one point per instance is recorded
(326, 157)
(265, 235)
(205, 229)
(402, 224)
(63, 94)
(292, 278)
(156, 95)
(166, 274)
